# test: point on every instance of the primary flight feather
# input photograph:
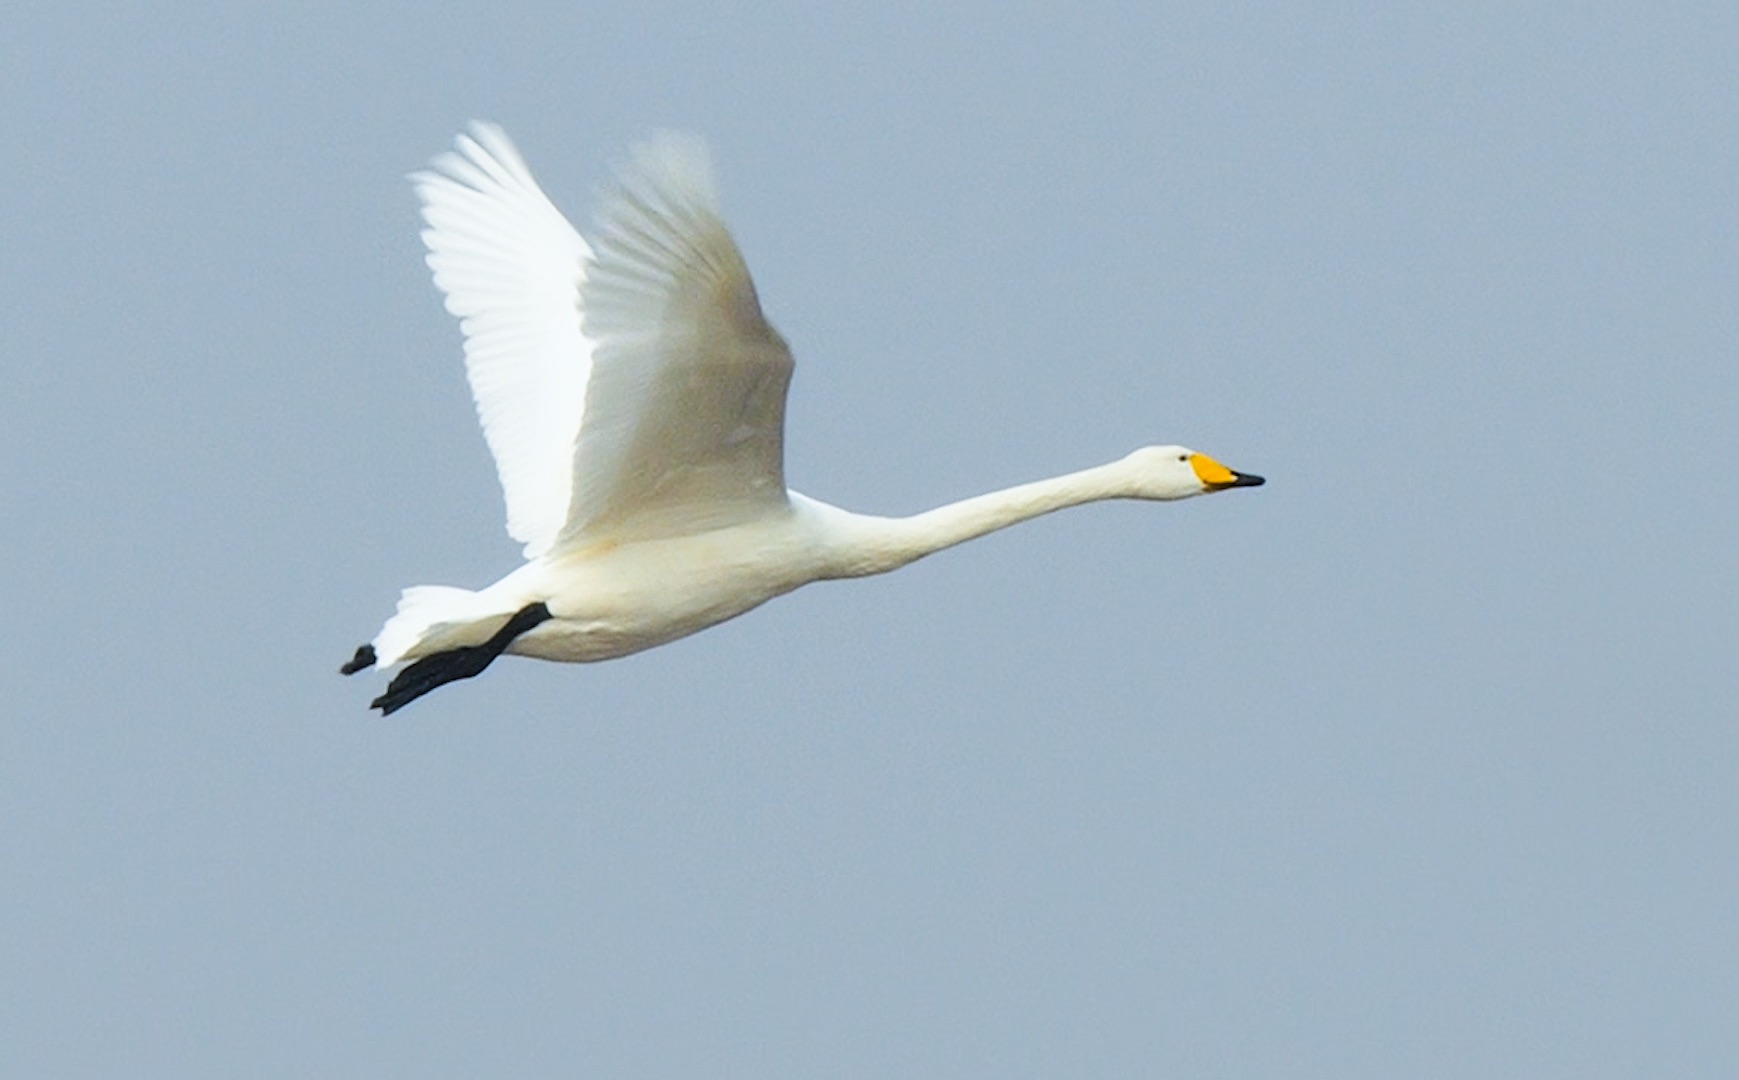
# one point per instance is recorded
(633, 396)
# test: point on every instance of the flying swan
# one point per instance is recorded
(633, 395)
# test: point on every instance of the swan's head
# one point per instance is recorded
(1177, 472)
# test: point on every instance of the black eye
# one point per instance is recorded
(1183, 457)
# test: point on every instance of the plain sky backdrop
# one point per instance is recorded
(1422, 760)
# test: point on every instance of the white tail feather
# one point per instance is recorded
(433, 618)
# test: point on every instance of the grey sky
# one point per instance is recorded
(1418, 761)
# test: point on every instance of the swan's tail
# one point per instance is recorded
(431, 619)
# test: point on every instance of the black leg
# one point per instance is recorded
(455, 664)
(364, 658)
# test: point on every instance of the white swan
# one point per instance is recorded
(634, 398)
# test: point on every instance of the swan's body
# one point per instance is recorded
(634, 399)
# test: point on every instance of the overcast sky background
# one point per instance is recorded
(1420, 761)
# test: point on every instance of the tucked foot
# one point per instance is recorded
(453, 664)
(364, 658)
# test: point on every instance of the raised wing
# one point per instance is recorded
(511, 267)
(685, 413)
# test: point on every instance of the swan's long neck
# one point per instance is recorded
(874, 545)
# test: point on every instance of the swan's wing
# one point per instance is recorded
(511, 267)
(685, 414)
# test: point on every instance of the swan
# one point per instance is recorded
(633, 396)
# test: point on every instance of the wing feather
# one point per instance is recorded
(511, 267)
(685, 413)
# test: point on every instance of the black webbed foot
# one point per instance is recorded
(454, 664)
(364, 658)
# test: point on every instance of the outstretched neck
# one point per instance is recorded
(875, 545)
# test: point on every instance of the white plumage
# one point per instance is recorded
(633, 395)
